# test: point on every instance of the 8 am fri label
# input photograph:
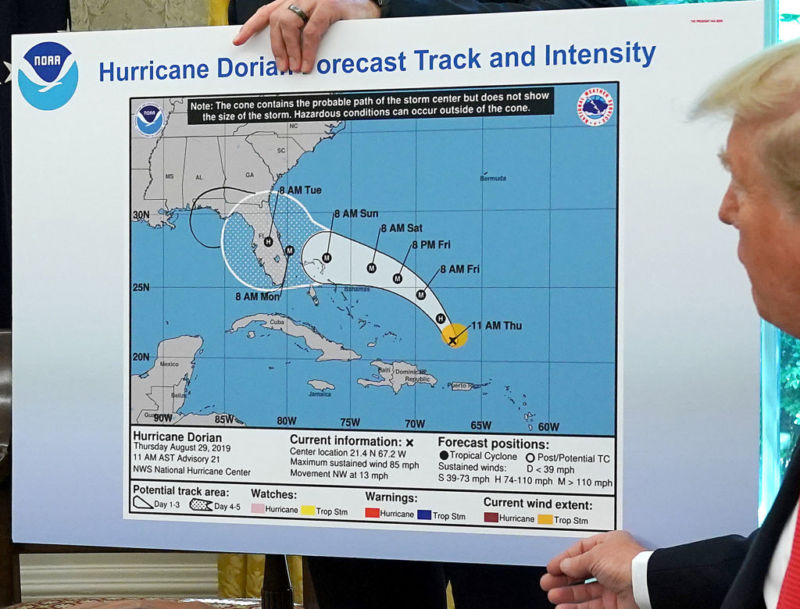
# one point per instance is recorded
(374, 478)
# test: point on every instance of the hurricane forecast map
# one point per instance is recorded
(382, 308)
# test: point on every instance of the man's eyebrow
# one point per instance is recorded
(724, 158)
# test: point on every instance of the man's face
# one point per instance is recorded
(769, 235)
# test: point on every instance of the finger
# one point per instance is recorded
(596, 603)
(276, 37)
(577, 594)
(548, 581)
(580, 566)
(290, 32)
(584, 545)
(319, 23)
(255, 24)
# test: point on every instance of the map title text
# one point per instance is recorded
(422, 60)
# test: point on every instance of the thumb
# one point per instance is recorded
(577, 567)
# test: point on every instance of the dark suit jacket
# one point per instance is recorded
(726, 572)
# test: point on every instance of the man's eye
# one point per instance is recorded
(737, 188)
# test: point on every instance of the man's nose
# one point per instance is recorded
(728, 207)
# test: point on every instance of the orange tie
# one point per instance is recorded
(790, 588)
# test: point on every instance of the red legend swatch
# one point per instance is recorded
(491, 517)
(372, 512)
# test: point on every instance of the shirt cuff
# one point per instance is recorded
(641, 595)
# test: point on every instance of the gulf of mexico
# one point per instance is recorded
(186, 298)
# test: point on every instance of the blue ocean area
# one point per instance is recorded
(537, 307)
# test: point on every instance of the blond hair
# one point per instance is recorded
(766, 92)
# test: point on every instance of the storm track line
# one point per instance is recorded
(340, 271)
(194, 205)
(272, 248)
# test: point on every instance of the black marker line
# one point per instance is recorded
(375, 249)
(330, 234)
(431, 279)
(194, 203)
(460, 333)
(408, 251)
(272, 217)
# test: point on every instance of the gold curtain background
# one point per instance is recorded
(218, 12)
(241, 575)
(129, 14)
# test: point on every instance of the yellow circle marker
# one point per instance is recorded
(455, 335)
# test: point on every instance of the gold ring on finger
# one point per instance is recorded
(299, 12)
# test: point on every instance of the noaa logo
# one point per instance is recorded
(595, 107)
(48, 76)
(149, 120)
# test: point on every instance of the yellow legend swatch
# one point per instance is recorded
(308, 510)
(545, 519)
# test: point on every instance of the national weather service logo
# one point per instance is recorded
(48, 76)
(595, 107)
(149, 120)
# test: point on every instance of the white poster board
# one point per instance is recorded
(452, 297)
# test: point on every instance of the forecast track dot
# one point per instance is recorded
(455, 335)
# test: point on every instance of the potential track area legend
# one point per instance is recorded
(375, 478)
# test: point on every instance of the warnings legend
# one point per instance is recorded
(491, 482)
